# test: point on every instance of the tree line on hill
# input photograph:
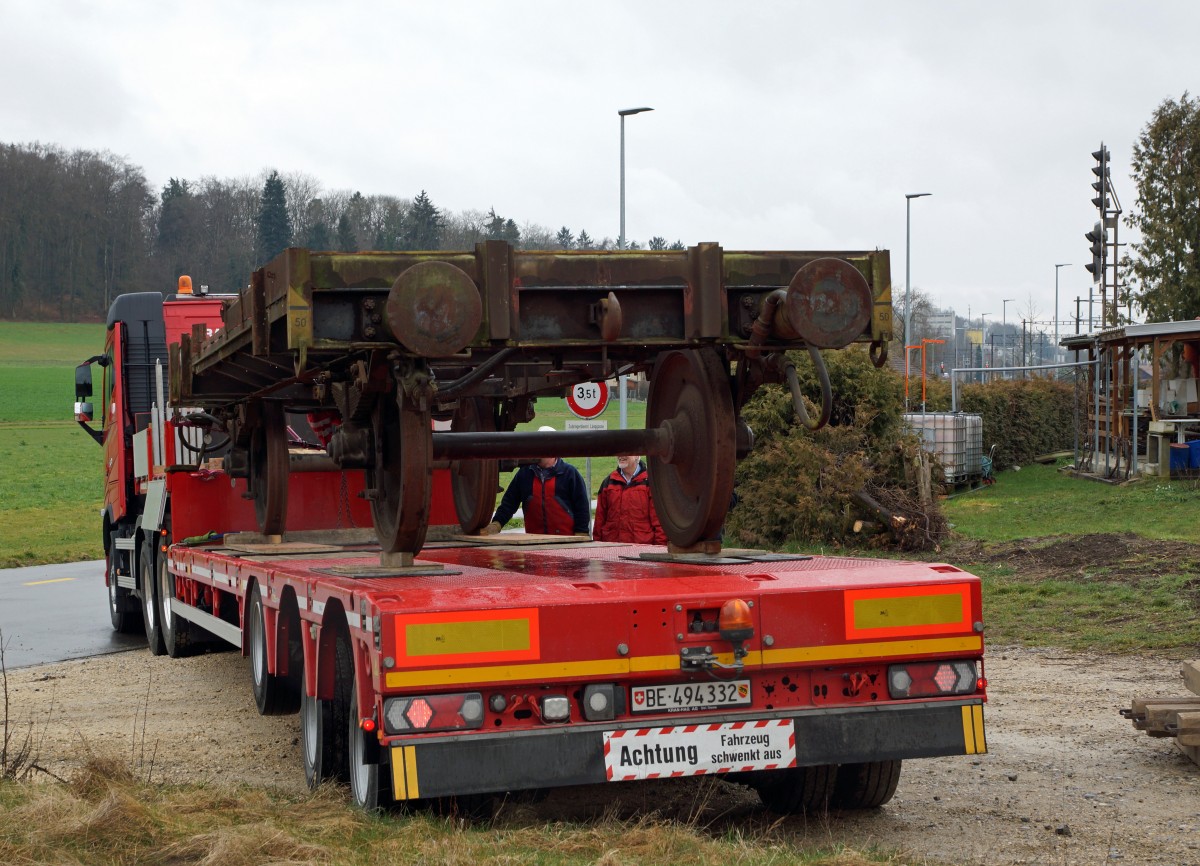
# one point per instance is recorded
(78, 228)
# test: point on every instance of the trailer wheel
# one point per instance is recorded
(122, 608)
(177, 633)
(370, 783)
(147, 582)
(275, 695)
(865, 786)
(315, 730)
(798, 789)
(324, 725)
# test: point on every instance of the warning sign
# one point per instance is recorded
(693, 750)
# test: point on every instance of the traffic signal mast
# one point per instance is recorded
(1109, 205)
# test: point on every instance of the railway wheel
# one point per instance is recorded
(325, 724)
(122, 606)
(475, 482)
(690, 394)
(269, 469)
(275, 694)
(148, 586)
(370, 783)
(865, 786)
(178, 635)
(399, 477)
(798, 789)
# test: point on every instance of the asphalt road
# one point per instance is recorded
(51, 613)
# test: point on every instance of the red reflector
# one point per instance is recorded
(945, 678)
(419, 713)
(368, 725)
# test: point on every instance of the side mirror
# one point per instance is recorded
(83, 412)
(83, 382)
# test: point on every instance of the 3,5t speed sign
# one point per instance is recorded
(588, 399)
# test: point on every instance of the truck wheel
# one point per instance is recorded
(315, 739)
(324, 725)
(865, 786)
(275, 695)
(797, 790)
(122, 608)
(370, 784)
(146, 581)
(177, 633)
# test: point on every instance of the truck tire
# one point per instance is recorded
(178, 635)
(123, 609)
(150, 609)
(865, 786)
(797, 790)
(325, 724)
(370, 784)
(275, 695)
(315, 739)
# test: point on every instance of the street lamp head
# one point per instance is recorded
(1063, 265)
(625, 112)
(912, 195)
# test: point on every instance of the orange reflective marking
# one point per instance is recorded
(908, 611)
(473, 637)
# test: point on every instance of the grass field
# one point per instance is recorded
(51, 486)
(104, 815)
(1039, 501)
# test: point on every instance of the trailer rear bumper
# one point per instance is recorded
(583, 754)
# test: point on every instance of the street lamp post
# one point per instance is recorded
(908, 197)
(983, 339)
(1004, 331)
(625, 112)
(1056, 267)
(623, 400)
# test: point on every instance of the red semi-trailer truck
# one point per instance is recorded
(506, 663)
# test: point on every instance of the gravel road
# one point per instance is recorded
(1067, 781)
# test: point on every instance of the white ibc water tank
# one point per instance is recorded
(956, 438)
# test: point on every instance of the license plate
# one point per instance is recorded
(688, 697)
(693, 750)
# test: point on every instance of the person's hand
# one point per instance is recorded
(491, 529)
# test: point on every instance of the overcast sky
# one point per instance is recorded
(776, 125)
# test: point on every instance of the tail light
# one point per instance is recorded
(932, 679)
(433, 713)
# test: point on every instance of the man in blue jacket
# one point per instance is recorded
(551, 494)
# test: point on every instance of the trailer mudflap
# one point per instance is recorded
(556, 757)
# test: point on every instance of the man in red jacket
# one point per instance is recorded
(624, 507)
(552, 496)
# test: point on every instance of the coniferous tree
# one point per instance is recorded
(658, 242)
(565, 239)
(346, 242)
(423, 225)
(1165, 263)
(274, 224)
(677, 245)
(584, 241)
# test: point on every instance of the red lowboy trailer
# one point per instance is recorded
(488, 664)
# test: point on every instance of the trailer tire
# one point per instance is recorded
(865, 786)
(178, 635)
(123, 609)
(325, 724)
(275, 695)
(315, 745)
(798, 789)
(370, 784)
(146, 580)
